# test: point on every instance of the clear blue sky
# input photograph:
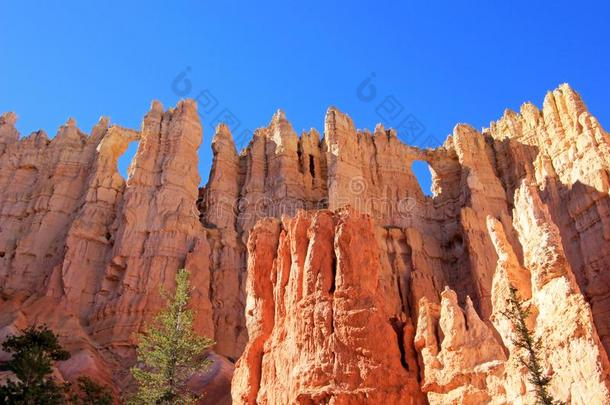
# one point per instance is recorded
(444, 63)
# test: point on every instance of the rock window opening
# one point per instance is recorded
(423, 173)
(126, 158)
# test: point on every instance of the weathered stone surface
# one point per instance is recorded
(316, 319)
(523, 202)
(462, 366)
(566, 152)
(159, 228)
(475, 364)
(86, 252)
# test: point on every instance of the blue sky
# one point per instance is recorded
(438, 64)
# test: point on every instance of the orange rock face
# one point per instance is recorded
(319, 329)
(397, 299)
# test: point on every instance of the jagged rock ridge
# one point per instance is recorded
(525, 201)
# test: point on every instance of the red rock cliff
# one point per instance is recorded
(396, 300)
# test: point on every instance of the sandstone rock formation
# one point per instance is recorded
(397, 299)
(463, 367)
(319, 330)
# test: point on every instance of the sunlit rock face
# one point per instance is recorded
(318, 265)
(320, 330)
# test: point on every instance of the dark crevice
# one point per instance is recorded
(201, 204)
(312, 168)
(331, 291)
(213, 267)
(143, 249)
(402, 277)
(374, 166)
(300, 156)
(334, 275)
(322, 204)
(398, 327)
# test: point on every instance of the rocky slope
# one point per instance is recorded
(396, 299)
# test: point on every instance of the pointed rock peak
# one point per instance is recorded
(336, 119)
(469, 305)
(223, 136)
(223, 131)
(508, 113)
(566, 88)
(549, 97)
(379, 129)
(475, 326)
(187, 105)
(151, 120)
(103, 121)
(279, 116)
(312, 134)
(188, 102)
(449, 294)
(100, 128)
(69, 132)
(529, 109)
(463, 129)
(280, 127)
(155, 111)
(333, 110)
(8, 132)
(259, 133)
(8, 118)
(37, 136)
(156, 107)
(40, 134)
(333, 114)
(496, 231)
(567, 93)
(572, 99)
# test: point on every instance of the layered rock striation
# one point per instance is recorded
(396, 299)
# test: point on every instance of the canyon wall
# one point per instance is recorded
(318, 262)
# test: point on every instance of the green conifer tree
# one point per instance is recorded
(33, 353)
(170, 352)
(524, 339)
(88, 392)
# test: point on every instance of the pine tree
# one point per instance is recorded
(89, 392)
(524, 339)
(33, 354)
(170, 352)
